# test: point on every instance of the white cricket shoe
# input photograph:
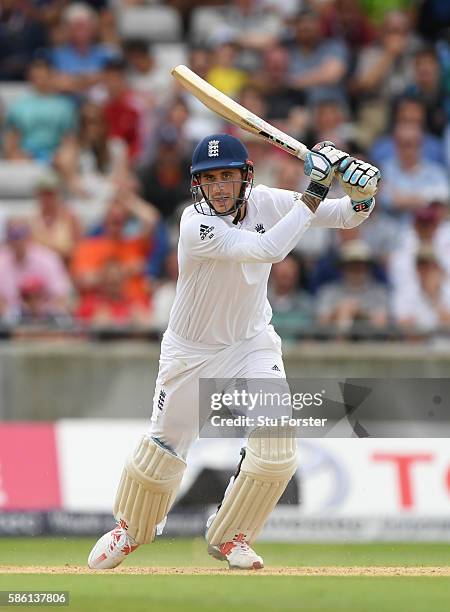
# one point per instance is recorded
(111, 549)
(238, 554)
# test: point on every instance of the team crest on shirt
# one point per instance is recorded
(213, 148)
(206, 231)
(259, 227)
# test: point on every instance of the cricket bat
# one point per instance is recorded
(235, 113)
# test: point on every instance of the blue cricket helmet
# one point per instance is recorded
(216, 152)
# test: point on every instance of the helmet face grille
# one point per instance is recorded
(204, 203)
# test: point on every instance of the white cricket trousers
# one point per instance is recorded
(176, 416)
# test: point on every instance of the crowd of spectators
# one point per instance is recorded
(103, 119)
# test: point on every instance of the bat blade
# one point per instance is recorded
(231, 111)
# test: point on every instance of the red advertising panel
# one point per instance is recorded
(29, 478)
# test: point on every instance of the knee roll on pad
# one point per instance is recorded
(270, 462)
(148, 487)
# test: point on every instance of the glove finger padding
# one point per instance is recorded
(322, 145)
(320, 165)
(359, 179)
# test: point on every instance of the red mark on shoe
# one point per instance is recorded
(226, 548)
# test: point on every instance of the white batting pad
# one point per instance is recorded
(147, 489)
(270, 462)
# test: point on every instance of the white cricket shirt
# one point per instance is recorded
(221, 295)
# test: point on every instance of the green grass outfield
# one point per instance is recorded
(186, 593)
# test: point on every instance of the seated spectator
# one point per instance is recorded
(21, 36)
(427, 85)
(140, 214)
(106, 10)
(225, 73)
(442, 46)
(110, 305)
(54, 225)
(429, 230)
(23, 260)
(424, 306)
(446, 143)
(432, 18)
(159, 253)
(330, 121)
(348, 21)
(282, 101)
(376, 10)
(317, 66)
(383, 71)
(381, 233)
(291, 306)
(92, 154)
(39, 122)
(357, 298)
(35, 306)
(164, 294)
(324, 267)
(407, 109)
(123, 111)
(166, 181)
(116, 243)
(267, 160)
(80, 61)
(145, 78)
(442, 238)
(411, 182)
(176, 127)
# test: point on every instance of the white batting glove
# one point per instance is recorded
(359, 180)
(320, 165)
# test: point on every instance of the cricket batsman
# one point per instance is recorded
(220, 328)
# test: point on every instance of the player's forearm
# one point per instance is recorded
(339, 214)
(276, 243)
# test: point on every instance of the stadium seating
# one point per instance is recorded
(168, 55)
(153, 23)
(203, 22)
(18, 178)
(10, 91)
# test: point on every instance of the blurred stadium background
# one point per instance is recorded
(94, 173)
